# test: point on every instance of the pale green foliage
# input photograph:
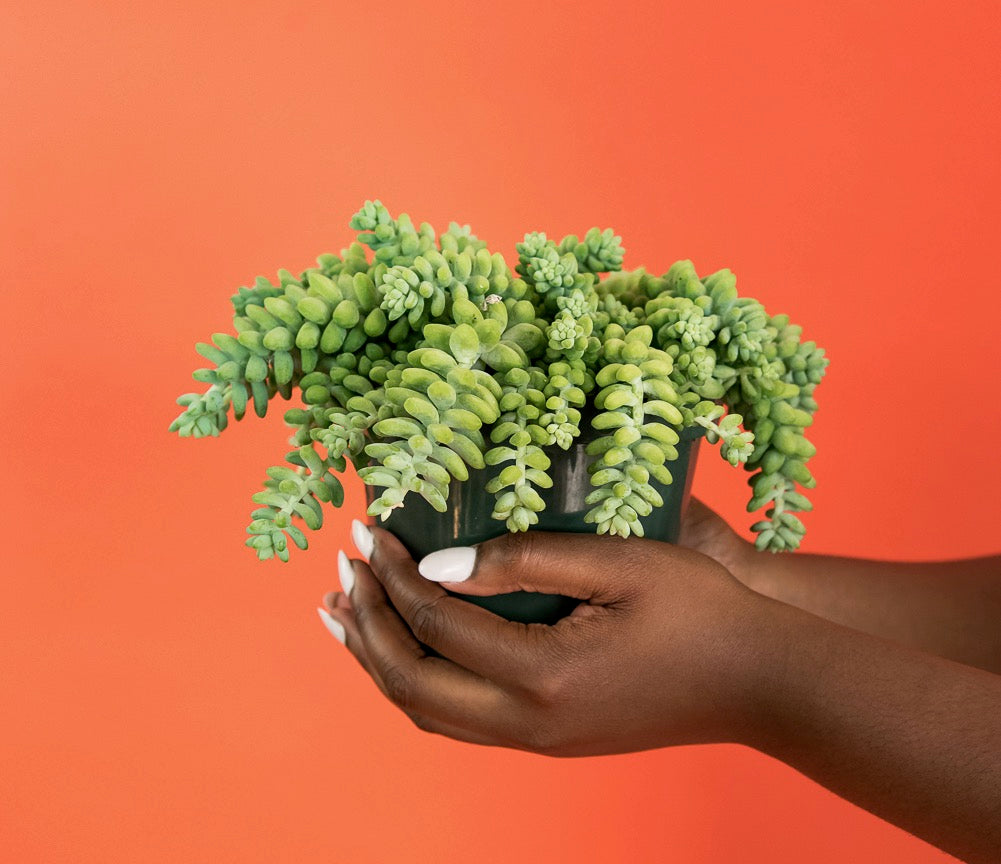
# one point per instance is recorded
(550, 271)
(422, 289)
(599, 251)
(578, 304)
(682, 320)
(418, 357)
(394, 241)
(296, 491)
(737, 445)
(567, 336)
(640, 411)
(565, 391)
(520, 439)
(458, 238)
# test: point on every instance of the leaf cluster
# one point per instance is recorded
(417, 357)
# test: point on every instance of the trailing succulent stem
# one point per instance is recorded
(419, 357)
(520, 438)
(639, 409)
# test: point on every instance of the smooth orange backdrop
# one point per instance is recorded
(165, 697)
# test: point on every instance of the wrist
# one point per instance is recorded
(763, 683)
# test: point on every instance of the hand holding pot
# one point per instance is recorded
(667, 647)
(652, 656)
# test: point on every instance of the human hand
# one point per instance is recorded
(654, 655)
(705, 531)
(666, 648)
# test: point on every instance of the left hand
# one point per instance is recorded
(655, 654)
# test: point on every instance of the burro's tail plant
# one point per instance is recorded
(418, 357)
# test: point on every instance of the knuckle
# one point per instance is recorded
(635, 560)
(513, 552)
(554, 681)
(366, 610)
(399, 687)
(550, 688)
(387, 562)
(428, 621)
(362, 613)
(385, 567)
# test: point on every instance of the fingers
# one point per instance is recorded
(598, 569)
(434, 689)
(699, 524)
(339, 607)
(502, 651)
(333, 603)
(705, 531)
(697, 511)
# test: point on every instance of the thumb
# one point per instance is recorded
(585, 566)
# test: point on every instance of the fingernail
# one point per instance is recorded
(363, 539)
(335, 627)
(346, 572)
(448, 565)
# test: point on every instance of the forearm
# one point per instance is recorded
(910, 737)
(950, 608)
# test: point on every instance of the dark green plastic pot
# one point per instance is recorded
(467, 521)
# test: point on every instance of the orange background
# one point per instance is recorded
(167, 698)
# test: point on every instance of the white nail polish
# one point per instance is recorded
(448, 565)
(335, 627)
(346, 572)
(362, 537)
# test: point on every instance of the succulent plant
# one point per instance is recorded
(431, 358)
